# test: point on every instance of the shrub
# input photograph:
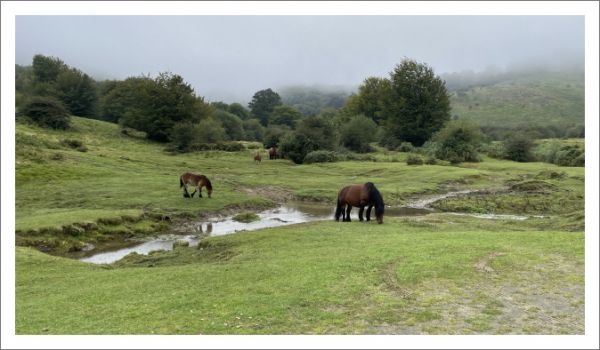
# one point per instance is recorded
(358, 133)
(296, 146)
(187, 136)
(253, 130)
(405, 147)
(431, 161)
(570, 155)
(518, 148)
(71, 143)
(414, 160)
(496, 150)
(458, 142)
(47, 112)
(321, 156)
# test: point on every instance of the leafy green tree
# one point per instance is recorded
(220, 105)
(273, 135)
(47, 111)
(254, 130)
(285, 115)
(357, 133)
(319, 133)
(239, 110)
(262, 105)
(418, 103)
(77, 91)
(233, 125)
(154, 105)
(46, 69)
(295, 146)
(370, 101)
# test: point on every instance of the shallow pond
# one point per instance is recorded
(291, 213)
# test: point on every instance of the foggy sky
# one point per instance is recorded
(230, 57)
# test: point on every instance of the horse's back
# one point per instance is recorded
(354, 195)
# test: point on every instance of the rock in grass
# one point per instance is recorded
(246, 217)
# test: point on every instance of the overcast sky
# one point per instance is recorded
(231, 57)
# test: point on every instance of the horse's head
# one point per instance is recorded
(379, 209)
(208, 187)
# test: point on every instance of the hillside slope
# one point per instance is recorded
(542, 99)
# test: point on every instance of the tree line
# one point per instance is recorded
(410, 108)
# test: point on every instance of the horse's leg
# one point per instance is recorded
(348, 208)
(369, 212)
(199, 191)
(360, 213)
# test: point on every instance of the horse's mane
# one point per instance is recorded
(375, 197)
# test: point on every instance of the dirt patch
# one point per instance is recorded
(483, 264)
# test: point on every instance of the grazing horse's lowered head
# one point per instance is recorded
(360, 196)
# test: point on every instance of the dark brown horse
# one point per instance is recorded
(273, 153)
(198, 181)
(360, 196)
(258, 158)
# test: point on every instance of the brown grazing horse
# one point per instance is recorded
(198, 181)
(359, 196)
(273, 153)
(258, 158)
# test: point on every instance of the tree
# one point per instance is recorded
(418, 103)
(296, 146)
(46, 69)
(77, 91)
(239, 110)
(220, 105)
(273, 135)
(262, 105)
(319, 133)
(357, 133)
(285, 115)
(254, 130)
(154, 105)
(371, 99)
(233, 126)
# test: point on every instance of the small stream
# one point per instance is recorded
(291, 213)
(288, 214)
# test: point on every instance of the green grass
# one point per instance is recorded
(403, 277)
(438, 274)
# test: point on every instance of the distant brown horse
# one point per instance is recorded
(273, 153)
(198, 181)
(359, 196)
(258, 158)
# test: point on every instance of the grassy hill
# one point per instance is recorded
(515, 100)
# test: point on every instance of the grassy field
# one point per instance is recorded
(438, 274)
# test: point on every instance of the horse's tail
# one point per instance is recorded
(338, 209)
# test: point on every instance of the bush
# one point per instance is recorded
(570, 155)
(47, 112)
(232, 124)
(358, 133)
(414, 160)
(496, 150)
(405, 147)
(431, 161)
(253, 130)
(518, 148)
(71, 143)
(295, 146)
(458, 142)
(321, 156)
